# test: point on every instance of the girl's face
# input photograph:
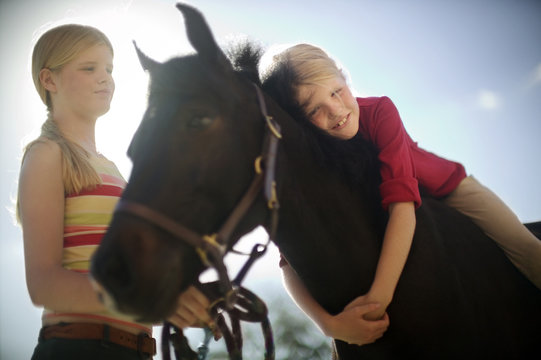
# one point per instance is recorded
(84, 87)
(331, 107)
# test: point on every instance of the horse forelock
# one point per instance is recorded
(245, 56)
(180, 81)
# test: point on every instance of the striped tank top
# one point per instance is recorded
(86, 218)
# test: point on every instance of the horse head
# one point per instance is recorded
(200, 115)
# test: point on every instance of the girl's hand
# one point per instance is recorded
(351, 326)
(192, 310)
(369, 298)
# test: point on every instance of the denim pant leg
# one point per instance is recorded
(80, 349)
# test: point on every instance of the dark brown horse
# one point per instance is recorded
(193, 160)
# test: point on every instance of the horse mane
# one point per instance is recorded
(354, 160)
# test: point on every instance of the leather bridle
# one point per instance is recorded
(213, 247)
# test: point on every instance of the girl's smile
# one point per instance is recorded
(341, 123)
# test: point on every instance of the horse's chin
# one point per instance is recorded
(110, 304)
(132, 312)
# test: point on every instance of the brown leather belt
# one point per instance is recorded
(141, 343)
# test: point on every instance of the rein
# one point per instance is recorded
(228, 296)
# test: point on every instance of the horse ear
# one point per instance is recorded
(146, 62)
(200, 36)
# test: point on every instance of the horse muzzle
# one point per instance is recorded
(136, 272)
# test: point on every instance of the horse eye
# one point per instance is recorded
(200, 122)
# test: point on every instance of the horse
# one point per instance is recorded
(197, 151)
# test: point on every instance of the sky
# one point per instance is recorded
(464, 74)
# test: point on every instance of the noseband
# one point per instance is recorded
(212, 248)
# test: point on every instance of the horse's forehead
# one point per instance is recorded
(187, 77)
(174, 74)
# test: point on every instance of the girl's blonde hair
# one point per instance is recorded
(284, 72)
(53, 50)
(311, 64)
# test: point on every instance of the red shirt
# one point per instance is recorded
(405, 167)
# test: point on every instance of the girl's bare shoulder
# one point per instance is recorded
(41, 154)
(42, 148)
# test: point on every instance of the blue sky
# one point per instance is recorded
(465, 76)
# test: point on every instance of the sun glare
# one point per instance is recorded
(123, 24)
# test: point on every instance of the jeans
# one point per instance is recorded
(81, 349)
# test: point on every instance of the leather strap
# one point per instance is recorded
(141, 343)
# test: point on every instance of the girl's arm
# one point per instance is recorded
(41, 205)
(349, 325)
(396, 246)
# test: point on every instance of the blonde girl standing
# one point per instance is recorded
(67, 194)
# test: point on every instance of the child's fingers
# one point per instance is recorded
(364, 308)
(192, 309)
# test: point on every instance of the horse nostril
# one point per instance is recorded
(101, 298)
(98, 289)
